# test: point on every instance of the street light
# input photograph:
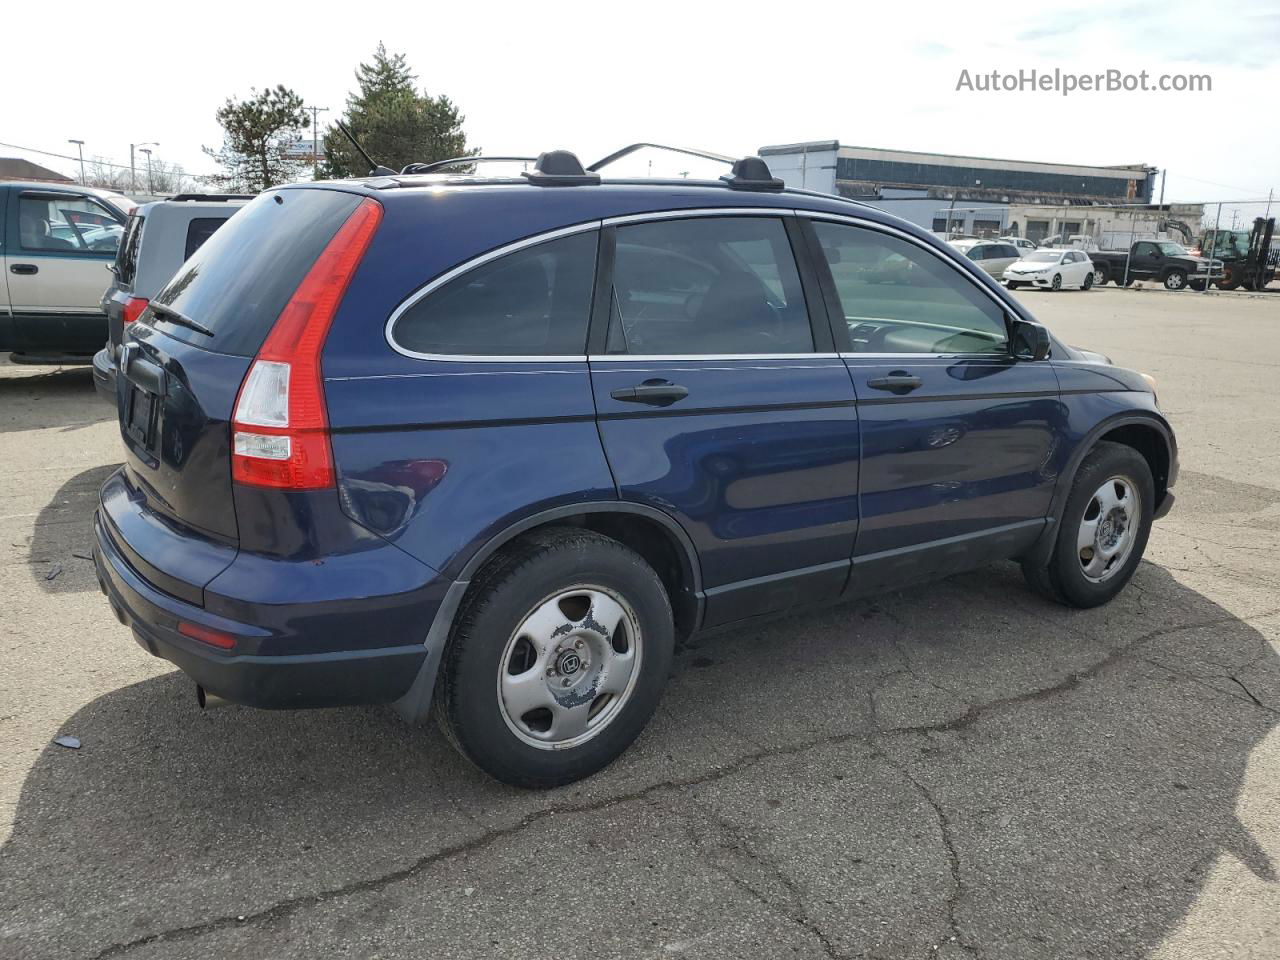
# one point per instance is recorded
(133, 172)
(151, 183)
(80, 146)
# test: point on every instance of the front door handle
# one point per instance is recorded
(896, 382)
(657, 393)
(26, 269)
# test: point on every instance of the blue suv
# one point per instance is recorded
(494, 444)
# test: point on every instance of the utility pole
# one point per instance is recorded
(1162, 173)
(315, 139)
(80, 146)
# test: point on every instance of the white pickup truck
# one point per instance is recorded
(57, 242)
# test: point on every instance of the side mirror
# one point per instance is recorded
(1030, 341)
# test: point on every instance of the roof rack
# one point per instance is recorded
(752, 173)
(213, 196)
(559, 168)
(460, 161)
(633, 147)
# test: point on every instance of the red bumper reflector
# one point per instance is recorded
(214, 638)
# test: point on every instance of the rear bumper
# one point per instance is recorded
(104, 376)
(290, 680)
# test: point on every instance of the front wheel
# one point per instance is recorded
(1104, 529)
(1012, 284)
(558, 659)
(1057, 281)
(1175, 279)
(1101, 275)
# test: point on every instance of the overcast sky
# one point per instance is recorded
(725, 76)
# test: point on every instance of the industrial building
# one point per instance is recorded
(986, 197)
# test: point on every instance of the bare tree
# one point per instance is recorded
(163, 179)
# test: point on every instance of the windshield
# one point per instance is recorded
(1171, 249)
(121, 203)
(1044, 256)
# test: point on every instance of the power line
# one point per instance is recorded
(63, 156)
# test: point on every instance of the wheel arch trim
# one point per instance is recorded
(415, 705)
(1042, 549)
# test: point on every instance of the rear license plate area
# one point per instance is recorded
(140, 417)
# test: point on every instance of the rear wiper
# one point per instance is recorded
(181, 319)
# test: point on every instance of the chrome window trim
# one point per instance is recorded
(681, 357)
(466, 267)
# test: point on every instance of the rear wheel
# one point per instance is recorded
(558, 659)
(1103, 532)
(1175, 279)
(1088, 281)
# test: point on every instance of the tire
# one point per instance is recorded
(1101, 275)
(1088, 281)
(1064, 578)
(567, 577)
(1057, 281)
(1230, 279)
(1012, 284)
(1175, 280)
(1196, 285)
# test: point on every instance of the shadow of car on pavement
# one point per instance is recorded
(1089, 765)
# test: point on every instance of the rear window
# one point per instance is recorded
(127, 256)
(238, 281)
(198, 231)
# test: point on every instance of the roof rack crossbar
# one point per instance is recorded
(460, 161)
(213, 196)
(632, 148)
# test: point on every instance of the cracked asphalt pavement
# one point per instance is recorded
(958, 770)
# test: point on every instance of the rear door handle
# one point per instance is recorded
(895, 382)
(24, 268)
(657, 393)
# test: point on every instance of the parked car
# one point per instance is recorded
(1052, 269)
(159, 236)
(993, 256)
(57, 242)
(493, 444)
(1161, 260)
(1022, 243)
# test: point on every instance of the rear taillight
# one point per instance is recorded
(280, 430)
(133, 308)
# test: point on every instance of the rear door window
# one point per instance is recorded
(532, 302)
(198, 231)
(715, 285)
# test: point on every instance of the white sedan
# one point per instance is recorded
(1051, 269)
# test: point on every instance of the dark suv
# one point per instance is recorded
(495, 444)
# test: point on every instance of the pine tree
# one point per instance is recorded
(395, 123)
(257, 132)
